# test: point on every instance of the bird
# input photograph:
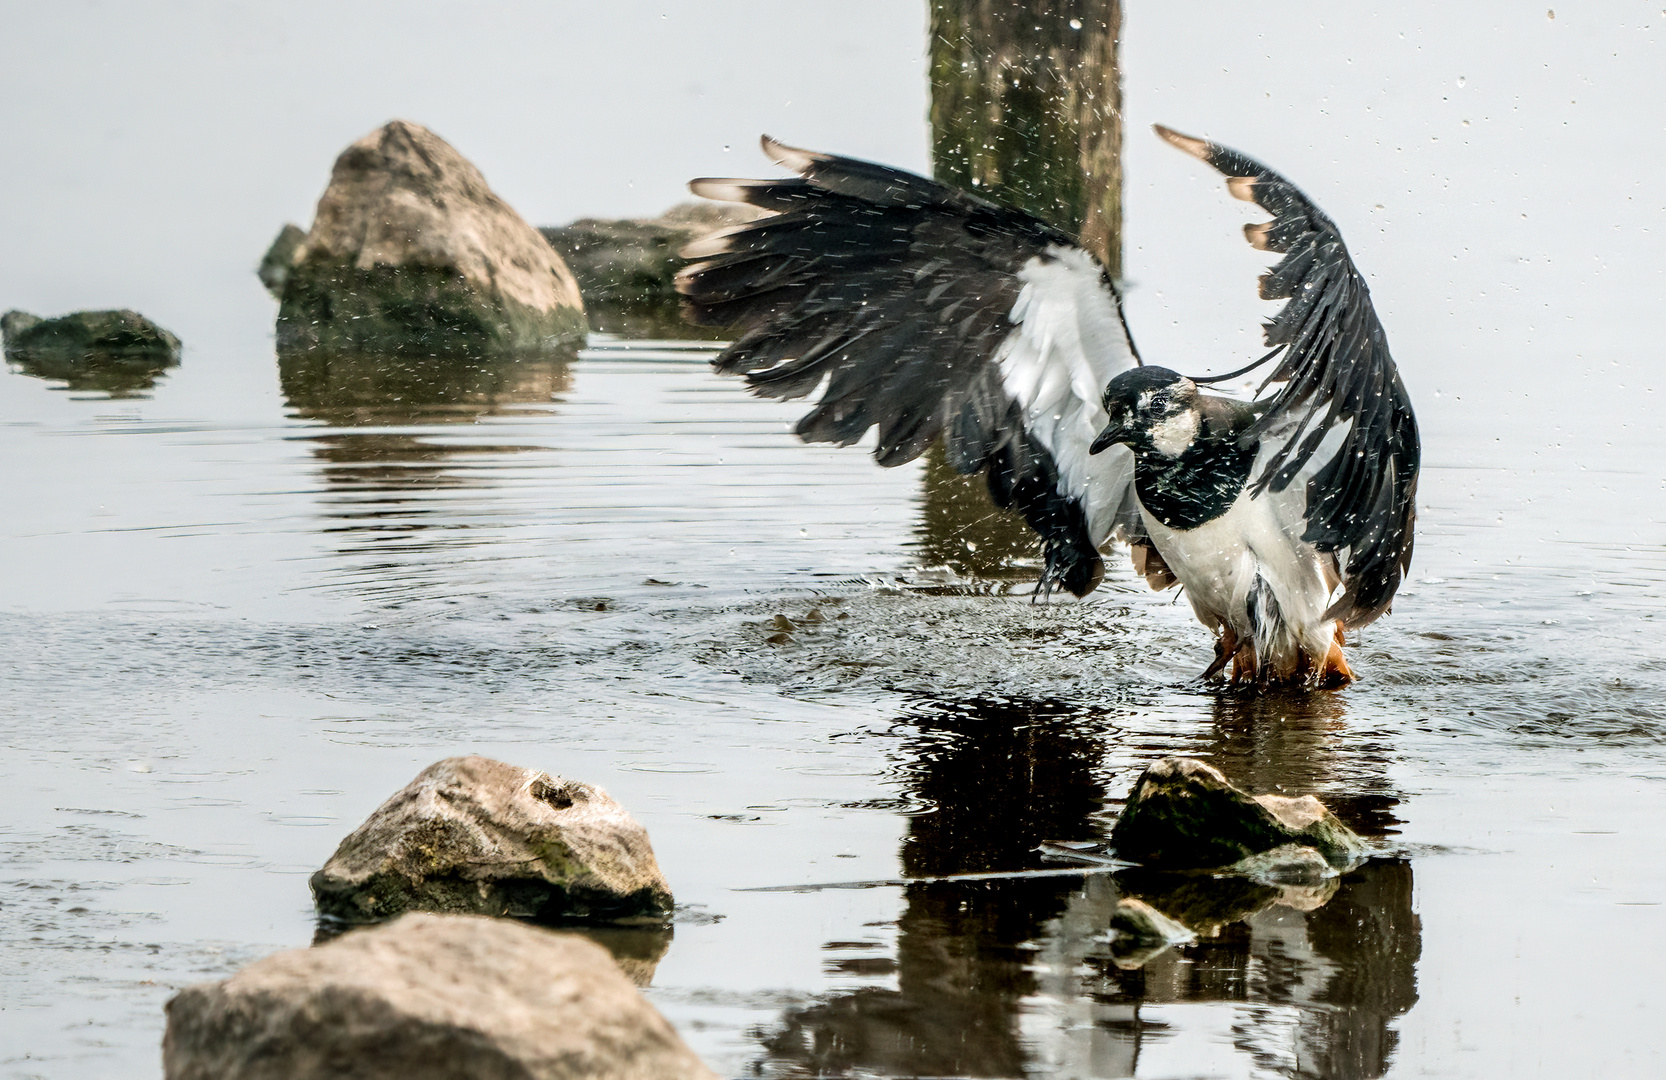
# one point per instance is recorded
(928, 312)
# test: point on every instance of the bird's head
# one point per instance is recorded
(1150, 408)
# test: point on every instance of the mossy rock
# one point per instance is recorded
(412, 310)
(1183, 813)
(473, 836)
(121, 353)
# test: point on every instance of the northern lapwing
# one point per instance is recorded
(926, 311)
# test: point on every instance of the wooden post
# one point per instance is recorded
(1026, 109)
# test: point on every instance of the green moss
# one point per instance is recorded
(413, 310)
(1184, 814)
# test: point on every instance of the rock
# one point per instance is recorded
(1141, 932)
(1139, 921)
(637, 950)
(82, 332)
(411, 251)
(475, 836)
(118, 352)
(625, 268)
(425, 998)
(1183, 813)
(280, 258)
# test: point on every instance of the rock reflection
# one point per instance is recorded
(1020, 976)
(356, 389)
(116, 374)
(384, 474)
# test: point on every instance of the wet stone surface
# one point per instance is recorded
(1184, 813)
(426, 996)
(119, 353)
(475, 836)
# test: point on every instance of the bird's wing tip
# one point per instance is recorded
(790, 157)
(723, 188)
(1241, 173)
(1198, 148)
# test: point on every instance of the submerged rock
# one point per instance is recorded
(1140, 932)
(626, 267)
(425, 998)
(1207, 903)
(475, 836)
(83, 332)
(1289, 864)
(118, 352)
(411, 251)
(1184, 813)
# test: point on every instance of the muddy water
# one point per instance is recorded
(248, 603)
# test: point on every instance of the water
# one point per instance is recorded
(228, 640)
(245, 601)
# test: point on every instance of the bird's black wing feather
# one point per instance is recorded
(1340, 421)
(926, 312)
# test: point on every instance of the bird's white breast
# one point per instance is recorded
(1219, 561)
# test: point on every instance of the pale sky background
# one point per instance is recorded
(1496, 170)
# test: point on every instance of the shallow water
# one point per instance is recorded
(246, 608)
(244, 601)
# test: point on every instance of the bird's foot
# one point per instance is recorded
(1334, 673)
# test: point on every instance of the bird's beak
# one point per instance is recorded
(1113, 434)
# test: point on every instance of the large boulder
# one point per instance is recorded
(118, 352)
(411, 251)
(1184, 813)
(475, 836)
(427, 998)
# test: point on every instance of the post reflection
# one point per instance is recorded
(962, 530)
(998, 780)
(1020, 976)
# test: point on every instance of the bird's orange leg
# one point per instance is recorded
(1335, 672)
(1226, 646)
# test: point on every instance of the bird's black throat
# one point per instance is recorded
(1198, 486)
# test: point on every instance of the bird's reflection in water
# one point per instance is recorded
(1019, 976)
(396, 461)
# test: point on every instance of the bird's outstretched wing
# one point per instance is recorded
(1338, 433)
(923, 310)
